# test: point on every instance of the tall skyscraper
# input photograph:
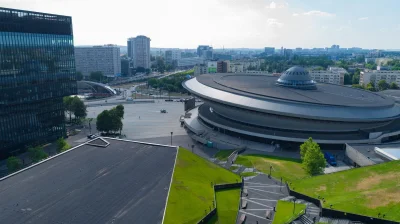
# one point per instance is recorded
(37, 69)
(139, 51)
(105, 59)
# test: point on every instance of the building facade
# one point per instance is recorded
(105, 59)
(200, 69)
(37, 69)
(212, 67)
(375, 76)
(205, 51)
(139, 51)
(223, 66)
(172, 56)
(269, 50)
(187, 62)
(333, 75)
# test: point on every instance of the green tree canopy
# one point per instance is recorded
(383, 85)
(120, 111)
(79, 76)
(67, 100)
(79, 108)
(103, 122)
(62, 145)
(97, 76)
(394, 85)
(370, 87)
(312, 158)
(13, 164)
(358, 86)
(37, 153)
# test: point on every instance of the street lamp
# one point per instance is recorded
(294, 204)
(171, 136)
(192, 148)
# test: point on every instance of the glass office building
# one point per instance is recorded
(37, 69)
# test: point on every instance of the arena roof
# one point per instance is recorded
(264, 87)
(125, 182)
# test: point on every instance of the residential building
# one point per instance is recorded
(37, 70)
(211, 67)
(269, 50)
(200, 69)
(236, 67)
(333, 75)
(205, 52)
(187, 62)
(139, 51)
(172, 56)
(125, 67)
(375, 76)
(105, 59)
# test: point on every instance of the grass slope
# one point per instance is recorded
(191, 194)
(367, 190)
(227, 205)
(223, 154)
(285, 214)
(287, 168)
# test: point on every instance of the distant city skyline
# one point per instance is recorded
(231, 24)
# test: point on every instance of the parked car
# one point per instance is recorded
(330, 159)
(163, 111)
(92, 136)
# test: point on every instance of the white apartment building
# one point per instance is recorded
(333, 75)
(105, 59)
(375, 76)
(200, 69)
(186, 62)
(139, 51)
(212, 67)
(235, 67)
(172, 55)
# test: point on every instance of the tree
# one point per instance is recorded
(370, 87)
(394, 85)
(116, 120)
(305, 146)
(314, 161)
(382, 85)
(79, 76)
(140, 70)
(62, 145)
(358, 86)
(97, 76)
(78, 108)
(37, 153)
(348, 79)
(67, 100)
(103, 122)
(120, 111)
(13, 164)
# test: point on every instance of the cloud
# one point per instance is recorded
(315, 13)
(274, 5)
(363, 18)
(271, 22)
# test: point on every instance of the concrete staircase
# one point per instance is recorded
(334, 221)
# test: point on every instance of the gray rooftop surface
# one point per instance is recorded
(263, 87)
(368, 150)
(125, 182)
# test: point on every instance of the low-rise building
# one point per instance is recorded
(333, 75)
(200, 69)
(375, 76)
(223, 66)
(187, 62)
(236, 67)
(211, 67)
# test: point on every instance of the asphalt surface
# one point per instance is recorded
(123, 183)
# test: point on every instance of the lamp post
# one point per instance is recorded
(192, 148)
(294, 204)
(171, 136)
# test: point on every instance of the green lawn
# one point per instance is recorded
(287, 168)
(367, 190)
(223, 154)
(286, 212)
(227, 205)
(191, 192)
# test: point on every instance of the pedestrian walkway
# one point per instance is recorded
(262, 195)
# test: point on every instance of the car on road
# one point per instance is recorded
(129, 99)
(330, 159)
(163, 111)
(91, 136)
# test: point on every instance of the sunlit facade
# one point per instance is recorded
(37, 69)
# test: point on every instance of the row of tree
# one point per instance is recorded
(172, 83)
(281, 64)
(74, 105)
(382, 85)
(110, 121)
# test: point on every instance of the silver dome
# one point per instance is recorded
(296, 77)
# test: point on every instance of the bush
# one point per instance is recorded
(36, 154)
(62, 145)
(13, 164)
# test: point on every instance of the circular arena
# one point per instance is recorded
(293, 107)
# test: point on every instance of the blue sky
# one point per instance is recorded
(230, 23)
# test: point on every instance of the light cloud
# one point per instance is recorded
(363, 18)
(315, 13)
(274, 5)
(271, 22)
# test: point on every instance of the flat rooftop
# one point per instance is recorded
(125, 182)
(368, 150)
(264, 87)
